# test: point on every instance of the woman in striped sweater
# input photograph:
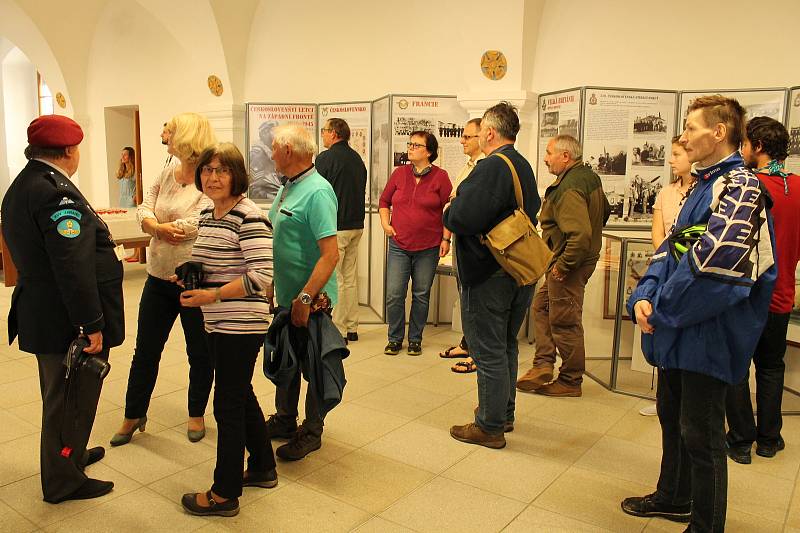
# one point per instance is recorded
(234, 246)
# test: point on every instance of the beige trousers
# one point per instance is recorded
(345, 313)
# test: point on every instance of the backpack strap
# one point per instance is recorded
(515, 176)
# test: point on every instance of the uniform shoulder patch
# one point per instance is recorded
(65, 201)
(62, 213)
(69, 228)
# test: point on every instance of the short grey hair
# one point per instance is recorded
(504, 119)
(569, 144)
(297, 136)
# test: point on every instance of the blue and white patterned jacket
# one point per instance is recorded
(710, 306)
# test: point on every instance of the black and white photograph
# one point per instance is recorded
(449, 130)
(404, 126)
(794, 141)
(610, 160)
(641, 196)
(650, 124)
(569, 127)
(399, 158)
(649, 154)
(549, 132)
(264, 180)
(550, 119)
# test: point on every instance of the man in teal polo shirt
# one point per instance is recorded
(305, 251)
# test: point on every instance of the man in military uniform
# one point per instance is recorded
(70, 285)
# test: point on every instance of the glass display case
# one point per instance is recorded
(623, 261)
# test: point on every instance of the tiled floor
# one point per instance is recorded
(387, 461)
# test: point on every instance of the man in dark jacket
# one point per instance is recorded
(345, 170)
(493, 307)
(70, 285)
(574, 211)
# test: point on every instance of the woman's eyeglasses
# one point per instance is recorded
(415, 146)
(221, 171)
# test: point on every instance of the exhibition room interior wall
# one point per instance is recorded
(158, 55)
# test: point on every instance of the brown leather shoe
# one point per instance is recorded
(560, 390)
(535, 378)
(472, 434)
(508, 427)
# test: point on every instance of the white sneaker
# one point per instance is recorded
(650, 410)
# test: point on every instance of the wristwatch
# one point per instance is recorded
(305, 298)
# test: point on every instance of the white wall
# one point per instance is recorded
(20, 107)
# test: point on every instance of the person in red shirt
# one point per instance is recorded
(411, 215)
(764, 150)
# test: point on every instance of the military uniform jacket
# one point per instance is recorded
(70, 279)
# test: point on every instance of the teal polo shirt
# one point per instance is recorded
(304, 211)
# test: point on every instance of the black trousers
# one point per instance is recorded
(158, 309)
(768, 360)
(287, 398)
(694, 468)
(240, 421)
(63, 427)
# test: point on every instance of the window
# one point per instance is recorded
(45, 97)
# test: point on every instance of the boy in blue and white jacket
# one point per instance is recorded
(702, 305)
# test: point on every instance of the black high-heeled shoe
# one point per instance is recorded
(124, 438)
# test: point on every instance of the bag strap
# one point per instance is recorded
(515, 176)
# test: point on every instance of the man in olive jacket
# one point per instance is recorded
(574, 211)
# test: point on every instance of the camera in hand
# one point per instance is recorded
(77, 360)
(191, 274)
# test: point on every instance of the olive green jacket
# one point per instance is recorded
(574, 211)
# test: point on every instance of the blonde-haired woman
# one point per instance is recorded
(126, 174)
(169, 212)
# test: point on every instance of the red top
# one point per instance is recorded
(417, 207)
(786, 222)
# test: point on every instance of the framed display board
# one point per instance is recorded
(358, 116)
(793, 126)
(442, 116)
(757, 102)
(559, 113)
(381, 138)
(626, 136)
(261, 118)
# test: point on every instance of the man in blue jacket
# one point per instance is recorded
(702, 305)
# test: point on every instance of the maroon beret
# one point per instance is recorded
(54, 131)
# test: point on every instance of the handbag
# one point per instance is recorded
(515, 243)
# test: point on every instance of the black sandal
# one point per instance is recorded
(464, 367)
(448, 355)
(226, 508)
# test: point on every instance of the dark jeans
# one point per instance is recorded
(287, 398)
(492, 313)
(401, 266)
(768, 359)
(694, 468)
(158, 309)
(240, 421)
(65, 425)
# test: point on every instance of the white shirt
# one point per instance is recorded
(169, 201)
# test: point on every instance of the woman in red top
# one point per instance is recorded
(411, 215)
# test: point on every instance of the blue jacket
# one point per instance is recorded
(709, 307)
(321, 363)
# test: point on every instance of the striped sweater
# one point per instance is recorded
(239, 245)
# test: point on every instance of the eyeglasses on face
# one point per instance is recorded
(415, 146)
(327, 129)
(221, 171)
(465, 138)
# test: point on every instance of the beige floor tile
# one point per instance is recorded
(14, 427)
(402, 400)
(366, 480)
(25, 496)
(15, 370)
(597, 393)
(152, 456)
(170, 409)
(422, 446)
(331, 451)
(294, 508)
(441, 380)
(447, 505)
(457, 411)
(758, 494)
(356, 425)
(735, 522)
(537, 519)
(376, 524)
(20, 392)
(594, 498)
(359, 384)
(10, 520)
(393, 367)
(784, 465)
(140, 510)
(19, 458)
(552, 441)
(506, 472)
(636, 428)
(624, 460)
(580, 413)
(107, 424)
(793, 516)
